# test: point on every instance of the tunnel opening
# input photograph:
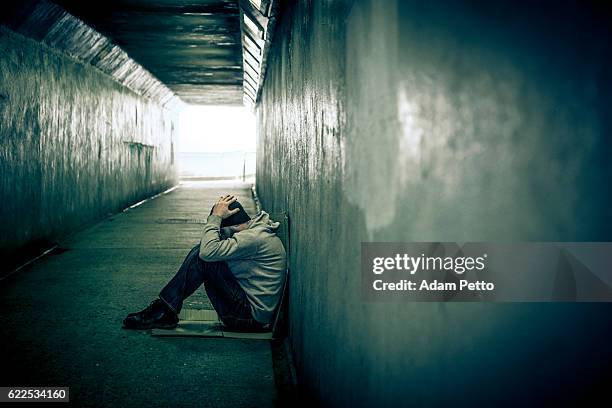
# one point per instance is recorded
(216, 143)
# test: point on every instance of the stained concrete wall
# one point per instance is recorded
(75, 144)
(453, 121)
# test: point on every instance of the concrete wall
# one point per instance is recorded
(75, 144)
(405, 121)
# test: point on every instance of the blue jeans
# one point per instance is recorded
(227, 297)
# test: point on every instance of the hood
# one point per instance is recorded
(262, 220)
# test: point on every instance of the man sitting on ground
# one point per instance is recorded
(241, 263)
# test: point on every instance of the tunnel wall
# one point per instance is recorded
(76, 145)
(447, 121)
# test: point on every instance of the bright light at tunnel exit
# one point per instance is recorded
(216, 142)
(216, 129)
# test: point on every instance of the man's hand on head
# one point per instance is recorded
(221, 208)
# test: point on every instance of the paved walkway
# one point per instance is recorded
(61, 317)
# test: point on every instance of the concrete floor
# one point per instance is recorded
(61, 317)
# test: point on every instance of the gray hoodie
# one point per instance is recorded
(255, 256)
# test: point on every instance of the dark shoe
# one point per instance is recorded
(155, 316)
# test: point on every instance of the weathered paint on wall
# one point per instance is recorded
(399, 121)
(75, 144)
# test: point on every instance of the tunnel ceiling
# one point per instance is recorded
(193, 46)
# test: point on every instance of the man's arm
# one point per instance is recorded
(213, 248)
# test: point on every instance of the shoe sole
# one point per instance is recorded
(152, 326)
(169, 327)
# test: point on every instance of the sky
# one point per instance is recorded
(216, 129)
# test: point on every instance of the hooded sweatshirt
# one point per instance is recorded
(255, 256)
